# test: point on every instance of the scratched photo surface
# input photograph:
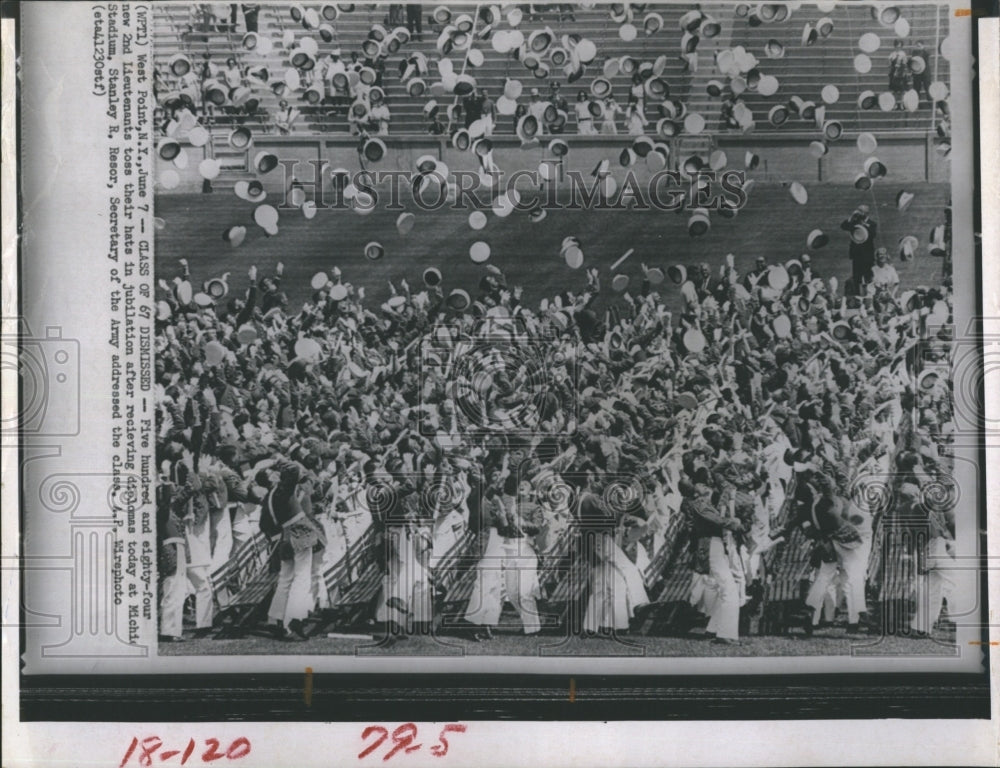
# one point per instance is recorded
(542, 331)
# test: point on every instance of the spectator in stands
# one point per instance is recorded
(519, 111)
(489, 114)
(584, 118)
(635, 118)
(396, 17)
(559, 102)
(332, 66)
(609, 125)
(472, 105)
(378, 65)
(899, 72)
(439, 124)
(414, 20)
(532, 10)
(379, 118)
(232, 75)
(921, 73)
(536, 108)
(285, 117)
(884, 275)
(250, 12)
(202, 18)
(637, 93)
(565, 12)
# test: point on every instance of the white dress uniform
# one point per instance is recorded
(406, 593)
(508, 568)
(197, 534)
(616, 587)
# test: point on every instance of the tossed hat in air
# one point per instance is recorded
(698, 223)
(265, 162)
(778, 115)
(818, 149)
(867, 100)
(374, 149)
(235, 235)
(867, 143)
(875, 168)
(527, 128)
(908, 245)
(251, 191)
(833, 130)
(817, 239)
(652, 23)
(179, 65)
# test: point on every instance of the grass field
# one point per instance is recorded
(772, 224)
(825, 642)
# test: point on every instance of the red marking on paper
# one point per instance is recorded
(404, 740)
(143, 751)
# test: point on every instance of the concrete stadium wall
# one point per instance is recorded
(784, 157)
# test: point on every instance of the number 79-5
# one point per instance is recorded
(404, 739)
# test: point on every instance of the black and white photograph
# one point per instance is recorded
(561, 329)
(509, 384)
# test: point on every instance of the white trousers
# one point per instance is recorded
(851, 567)
(222, 538)
(718, 595)
(934, 586)
(293, 597)
(174, 593)
(509, 566)
(616, 588)
(243, 526)
(854, 569)
(200, 585)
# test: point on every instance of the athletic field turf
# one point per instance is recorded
(772, 224)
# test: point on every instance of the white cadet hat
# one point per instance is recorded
(817, 239)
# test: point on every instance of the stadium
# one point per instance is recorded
(831, 120)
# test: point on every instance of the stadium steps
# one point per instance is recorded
(805, 70)
(407, 113)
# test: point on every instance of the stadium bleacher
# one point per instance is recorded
(803, 71)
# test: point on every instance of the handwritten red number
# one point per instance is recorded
(128, 752)
(212, 753)
(149, 746)
(403, 741)
(239, 748)
(440, 750)
(383, 735)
